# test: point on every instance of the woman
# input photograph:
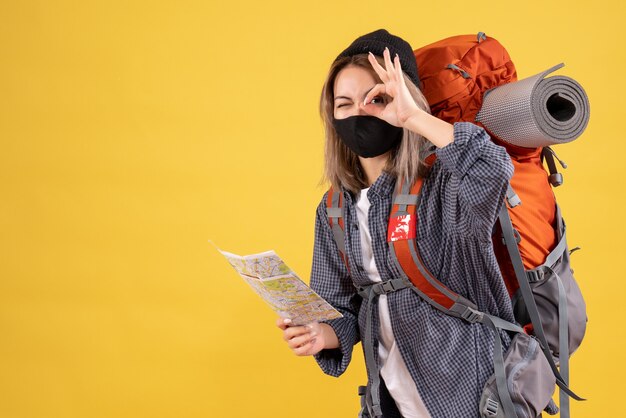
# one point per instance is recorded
(378, 129)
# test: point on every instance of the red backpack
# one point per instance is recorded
(529, 238)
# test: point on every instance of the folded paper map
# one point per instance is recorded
(281, 288)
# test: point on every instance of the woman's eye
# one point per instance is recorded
(377, 99)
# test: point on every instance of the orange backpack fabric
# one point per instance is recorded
(455, 73)
(535, 218)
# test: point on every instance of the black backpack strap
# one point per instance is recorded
(555, 178)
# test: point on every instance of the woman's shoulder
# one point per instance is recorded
(333, 199)
(325, 203)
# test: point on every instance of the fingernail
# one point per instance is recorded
(313, 334)
(286, 321)
(310, 327)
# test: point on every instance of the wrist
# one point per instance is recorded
(435, 130)
(329, 336)
(413, 120)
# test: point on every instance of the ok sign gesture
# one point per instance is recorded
(398, 110)
(402, 111)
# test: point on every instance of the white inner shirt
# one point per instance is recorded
(393, 369)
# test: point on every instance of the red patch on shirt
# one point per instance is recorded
(401, 228)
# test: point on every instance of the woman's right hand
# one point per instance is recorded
(307, 340)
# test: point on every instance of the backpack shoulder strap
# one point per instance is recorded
(401, 235)
(524, 277)
(334, 210)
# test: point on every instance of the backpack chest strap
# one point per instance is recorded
(382, 288)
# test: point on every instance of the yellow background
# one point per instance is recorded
(132, 132)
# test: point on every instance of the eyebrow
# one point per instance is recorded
(345, 97)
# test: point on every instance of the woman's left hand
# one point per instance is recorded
(402, 106)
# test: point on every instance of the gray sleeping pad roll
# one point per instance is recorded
(536, 111)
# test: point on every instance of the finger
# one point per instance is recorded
(372, 109)
(378, 68)
(304, 349)
(292, 332)
(301, 340)
(398, 69)
(375, 91)
(283, 323)
(389, 64)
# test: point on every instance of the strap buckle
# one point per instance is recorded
(382, 288)
(471, 315)
(388, 286)
(491, 408)
(534, 275)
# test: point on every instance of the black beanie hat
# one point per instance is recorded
(376, 42)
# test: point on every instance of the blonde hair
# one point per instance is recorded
(342, 167)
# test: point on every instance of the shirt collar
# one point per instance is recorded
(383, 186)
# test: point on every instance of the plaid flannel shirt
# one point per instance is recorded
(448, 358)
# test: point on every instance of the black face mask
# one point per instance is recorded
(367, 136)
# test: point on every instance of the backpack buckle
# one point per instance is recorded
(534, 275)
(471, 315)
(388, 286)
(491, 408)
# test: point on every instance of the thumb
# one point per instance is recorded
(283, 323)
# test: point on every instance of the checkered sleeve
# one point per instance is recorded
(331, 280)
(480, 172)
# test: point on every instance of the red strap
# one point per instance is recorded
(401, 234)
(329, 204)
(403, 254)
